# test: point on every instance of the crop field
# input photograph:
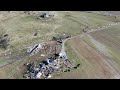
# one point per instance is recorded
(110, 38)
(98, 54)
(94, 65)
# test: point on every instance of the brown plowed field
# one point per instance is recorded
(93, 64)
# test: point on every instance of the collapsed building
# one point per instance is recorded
(36, 49)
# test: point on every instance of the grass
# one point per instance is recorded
(115, 55)
(25, 26)
(74, 22)
(2, 62)
(71, 54)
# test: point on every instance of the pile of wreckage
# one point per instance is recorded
(46, 68)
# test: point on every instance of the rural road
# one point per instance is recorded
(63, 53)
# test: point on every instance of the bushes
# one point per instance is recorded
(54, 38)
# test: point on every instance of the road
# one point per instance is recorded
(63, 53)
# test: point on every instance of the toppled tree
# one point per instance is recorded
(4, 41)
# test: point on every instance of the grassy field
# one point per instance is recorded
(74, 22)
(21, 29)
(71, 54)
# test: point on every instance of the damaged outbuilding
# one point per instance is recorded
(36, 49)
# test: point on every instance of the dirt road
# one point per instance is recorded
(63, 53)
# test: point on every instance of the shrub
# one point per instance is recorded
(4, 42)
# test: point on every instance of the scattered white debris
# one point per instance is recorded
(35, 49)
(42, 55)
(49, 76)
(39, 75)
(60, 54)
(63, 34)
(10, 53)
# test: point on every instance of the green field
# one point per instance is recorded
(71, 54)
